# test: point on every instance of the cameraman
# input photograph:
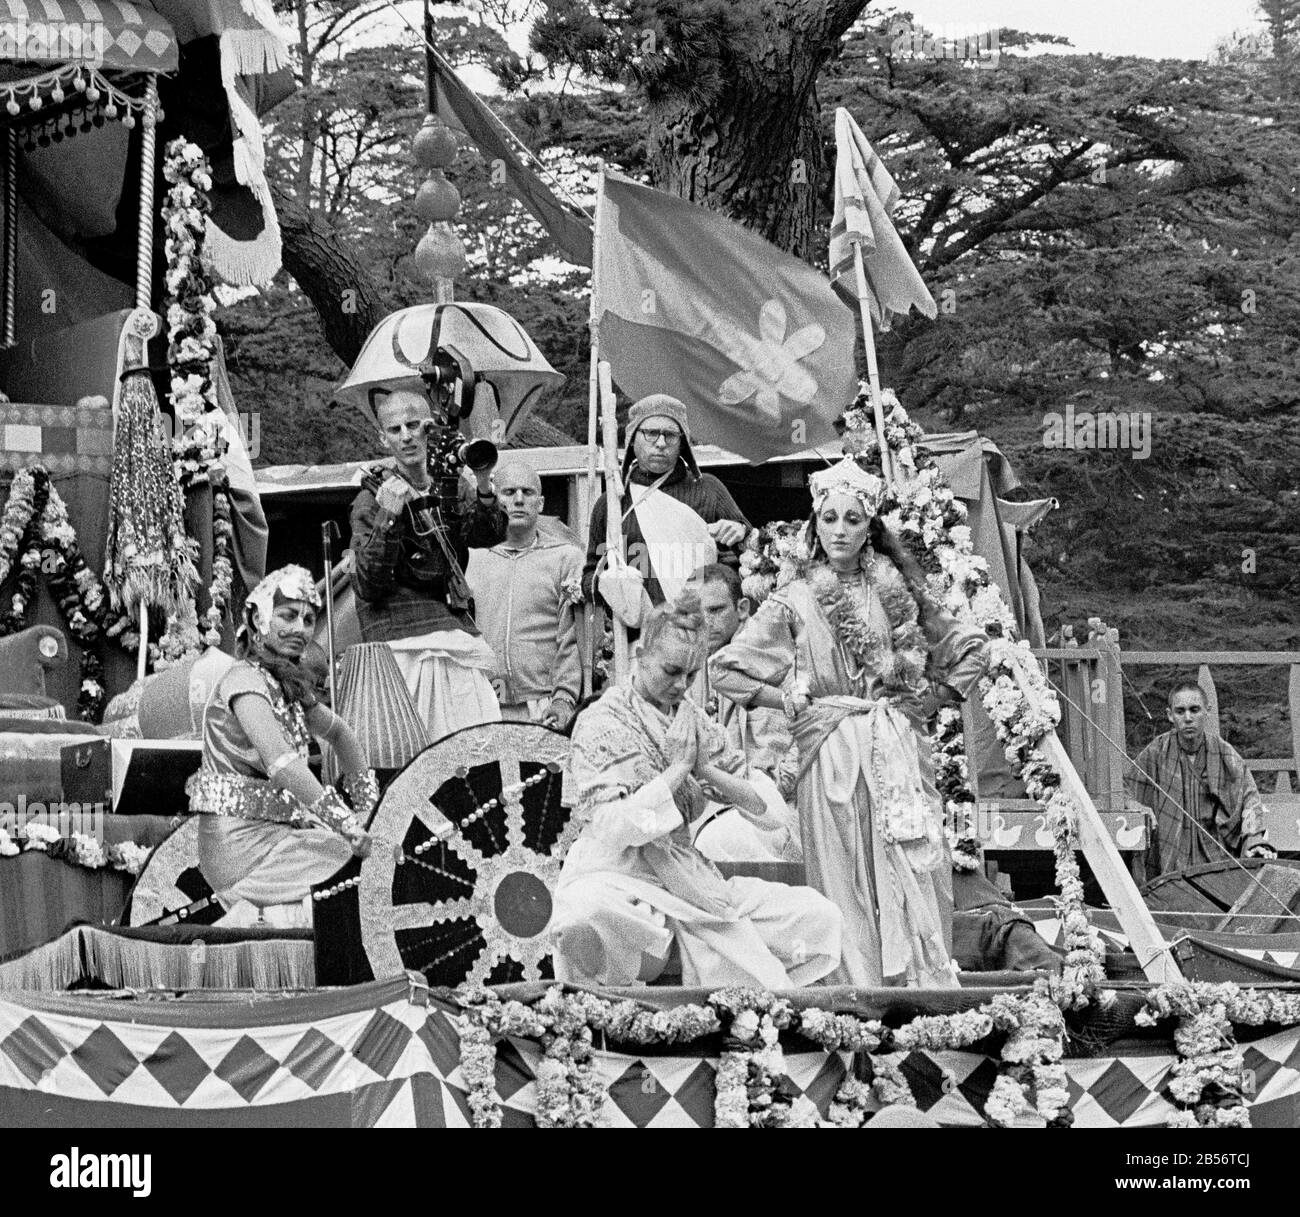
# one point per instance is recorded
(410, 564)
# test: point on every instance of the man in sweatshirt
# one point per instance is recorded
(526, 590)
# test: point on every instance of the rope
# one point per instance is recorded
(11, 236)
(148, 157)
(1187, 815)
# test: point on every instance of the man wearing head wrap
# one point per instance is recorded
(675, 518)
(268, 830)
(410, 564)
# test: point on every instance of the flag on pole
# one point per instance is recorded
(460, 108)
(865, 198)
(690, 303)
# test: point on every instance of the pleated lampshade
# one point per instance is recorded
(375, 703)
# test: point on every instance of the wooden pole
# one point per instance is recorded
(11, 236)
(873, 370)
(613, 507)
(144, 276)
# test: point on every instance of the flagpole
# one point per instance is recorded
(593, 415)
(613, 507)
(873, 370)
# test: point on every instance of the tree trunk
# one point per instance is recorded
(755, 152)
(348, 301)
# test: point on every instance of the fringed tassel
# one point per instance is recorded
(88, 953)
(252, 53)
(146, 559)
(245, 263)
(51, 968)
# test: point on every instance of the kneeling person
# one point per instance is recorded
(645, 764)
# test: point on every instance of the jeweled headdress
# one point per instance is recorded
(292, 582)
(848, 477)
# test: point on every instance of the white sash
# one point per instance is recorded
(676, 538)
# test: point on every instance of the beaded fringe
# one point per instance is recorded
(89, 953)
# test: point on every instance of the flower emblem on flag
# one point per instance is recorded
(769, 363)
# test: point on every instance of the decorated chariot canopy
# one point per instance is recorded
(75, 77)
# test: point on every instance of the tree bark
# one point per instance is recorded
(755, 153)
(348, 301)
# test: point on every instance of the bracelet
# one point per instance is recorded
(362, 790)
(332, 811)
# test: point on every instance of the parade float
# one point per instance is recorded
(420, 996)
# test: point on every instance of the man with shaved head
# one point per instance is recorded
(526, 590)
(410, 562)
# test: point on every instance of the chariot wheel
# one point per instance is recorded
(170, 881)
(468, 843)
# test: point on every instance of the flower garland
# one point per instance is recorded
(1209, 1083)
(223, 570)
(191, 331)
(37, 515)
(752, 1089)
(952, 780)
(78, 849)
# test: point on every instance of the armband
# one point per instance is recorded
(281, 762)
(332, 811)
(336, 721)
(362, 791)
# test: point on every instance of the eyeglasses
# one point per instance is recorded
(653, 436)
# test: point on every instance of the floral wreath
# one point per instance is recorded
(37, 534)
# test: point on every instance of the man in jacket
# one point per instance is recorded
(409, 571)
(526, 590)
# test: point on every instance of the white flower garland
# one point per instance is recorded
(200, 443)
(78, 848)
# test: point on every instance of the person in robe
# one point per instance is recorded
(409, 576)
(268, 830)
(675, 518)
(1204, 801)
(860, 658)
(644, 765)
(761, 736)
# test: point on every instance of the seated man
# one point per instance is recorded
(645, 762)
(761, 736)
(1205, 801)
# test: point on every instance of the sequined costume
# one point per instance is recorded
(257, 842)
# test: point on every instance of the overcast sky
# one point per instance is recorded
(1156, 29)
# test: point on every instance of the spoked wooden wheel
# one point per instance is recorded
(170, 881)
(469, 839)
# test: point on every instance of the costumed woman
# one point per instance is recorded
(269, 830)
(860, 657)
(646, 762)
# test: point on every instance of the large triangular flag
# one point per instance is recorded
(690, 303)
(461, 110)
(865, 198)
